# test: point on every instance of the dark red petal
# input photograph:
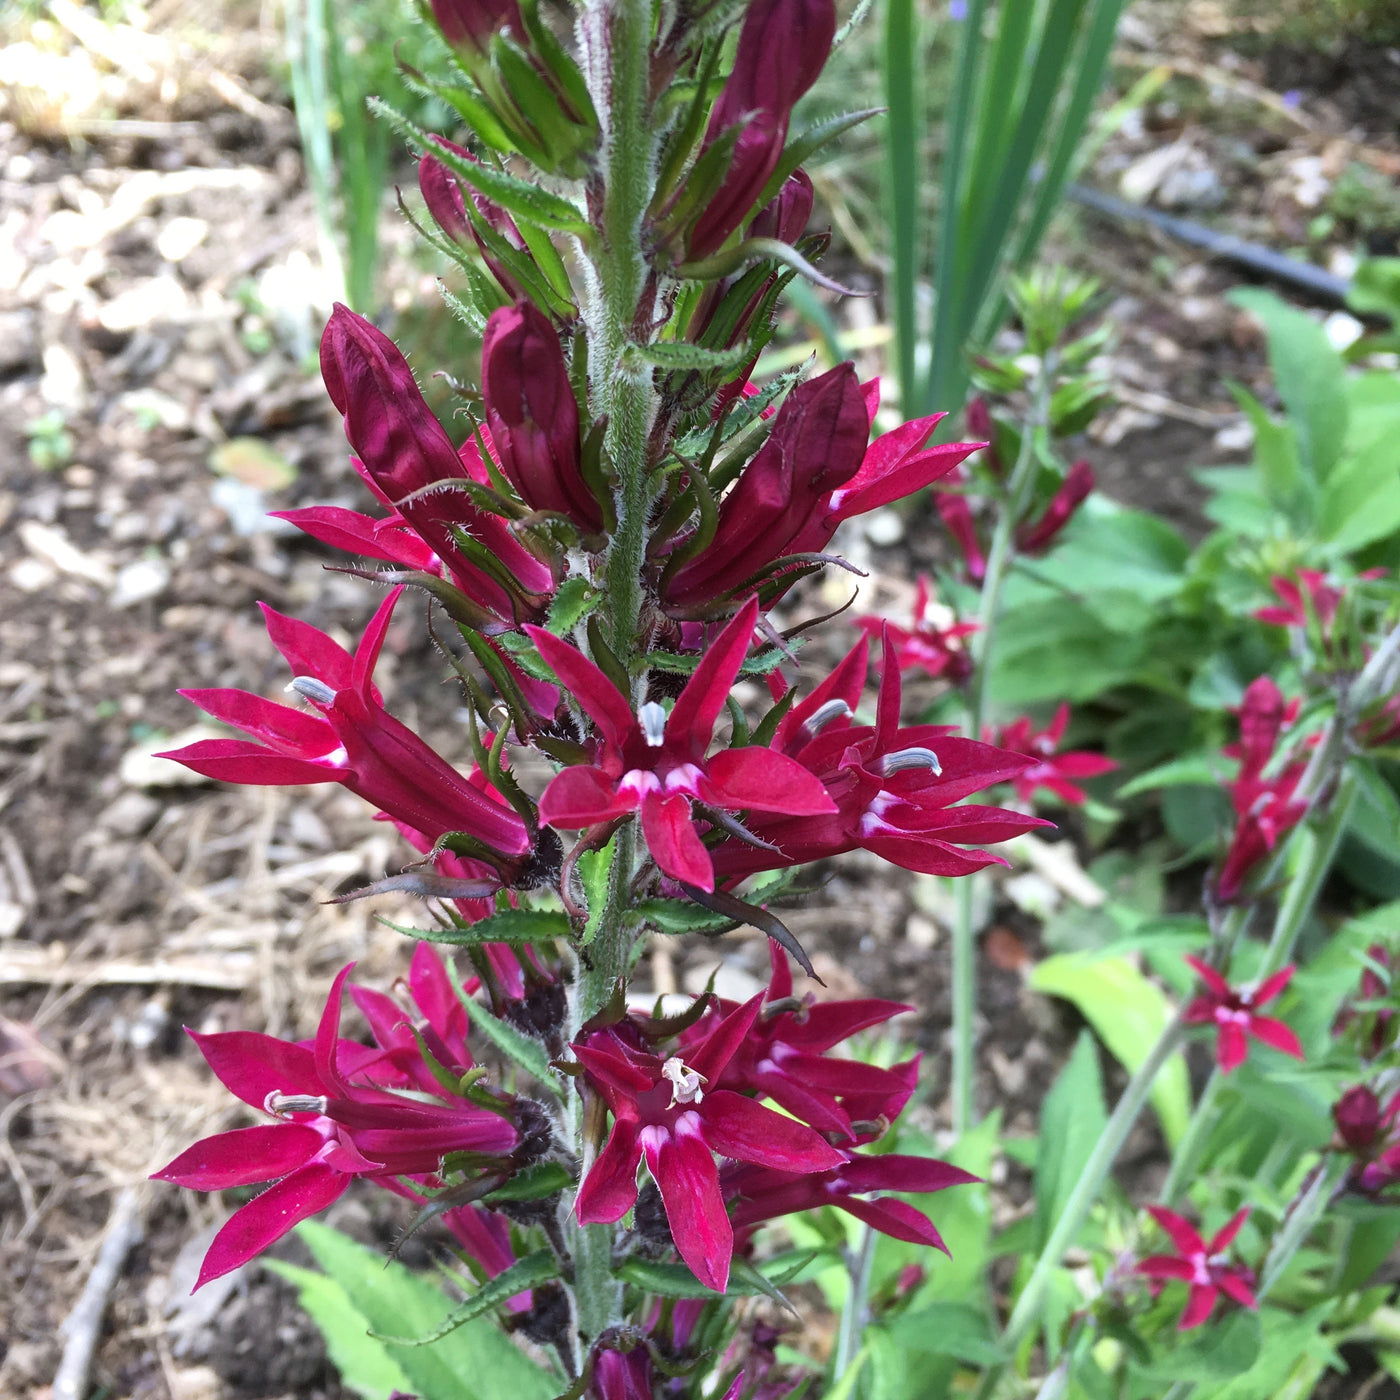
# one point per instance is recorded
(895, 1218)
(1198, 1306)
(692, 721)
(1166, 1266)
(582, 796)
(1217, 984)
(1231, 1047)
(599, 697)
(689, 1181)
(1272, 986)
(306, 735)
(1225, 1237)
(902, 1172)
(1181, 1232)
(674, 843)
(328, 1036)
(266, 1218)
(243, 1157)
(712, 1056)
(1237, 1287)
(609, 1190)
(308, 650)
(240, 761)
(740, 1128)
(1276, 1034)
(253, 1066)
(765, 781)
(372, 641)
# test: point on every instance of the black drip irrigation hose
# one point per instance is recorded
(1264, 262)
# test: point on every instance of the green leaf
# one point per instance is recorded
(1072, 1121)
(680, 354)
(517, 197)
(1361, 499)
(595, 870)
(1194, 769)
(676, 1281)
(1309, 374)
(475, 1362)
(504, 926)
(364, 1364)
(575, 599)
(1276, 458)
(948, 1329)
(524, 1273)
(679, 916)
(515, 1045)
(1219, 1352)
(1375, 289)
(534, 1183)
(1129, 1013)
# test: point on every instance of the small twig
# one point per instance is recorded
(83, 1325)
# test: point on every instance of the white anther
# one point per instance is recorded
(653, 718)
(685, 1083)
(905, 759)
(309, 688)
(278, 1103)
(824, 714)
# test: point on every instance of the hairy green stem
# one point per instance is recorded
(999, 557)
(617, 45)
(1076, 1210)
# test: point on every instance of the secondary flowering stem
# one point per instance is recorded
(981, 643)
(1027, 1311)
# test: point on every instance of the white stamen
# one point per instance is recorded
(278, 1103)
(309, 688)
(824, 714)
(653, 718)
(685, 1083)
(904, 759)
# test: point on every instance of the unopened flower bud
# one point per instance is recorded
(785, 216)
(532, 413)
(468, 25)
(1031, 539)
(1358, 1117)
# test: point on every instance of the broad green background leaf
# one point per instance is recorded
(1309, 375)
(476, 1362)
(1071, 1122)
(364, 1364)
(1129, 1013)
(1220, 1351)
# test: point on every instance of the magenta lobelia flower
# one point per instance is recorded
(335, 1121)
(894, 788)
(656, 763)
(784, 1056)
(938, 650)
(349, 739)
(1232, 1010)
(1369, 1133)
(1202, 1267)
(764, 1194)
(668, 1111)
(1054, 771)
(1265, 807)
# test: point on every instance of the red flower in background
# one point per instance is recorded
(1265, 808)
(668, 1111)
(937, 650)
(1036, 537)
(349, 739)
(1054, 771)
(656, 763)
(1233, 1011)
(1200, 1266)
